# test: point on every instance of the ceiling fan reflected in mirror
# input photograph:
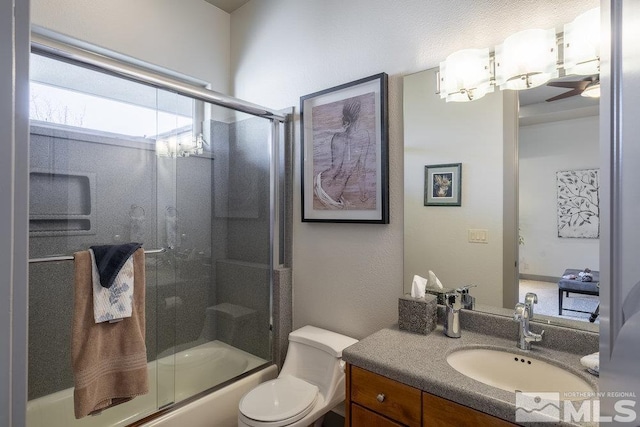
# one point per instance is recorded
(589, 87)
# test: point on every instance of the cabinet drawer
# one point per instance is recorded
(361, 417)
(388, 397)
(439, 412)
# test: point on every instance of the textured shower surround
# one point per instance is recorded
(223, 255)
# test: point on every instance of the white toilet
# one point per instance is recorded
(310, 384)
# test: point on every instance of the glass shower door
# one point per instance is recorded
(94, 180)
(115, 161)
(217, 236)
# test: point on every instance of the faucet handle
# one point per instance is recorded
(533, 337)
(465, 289)
(530, 299)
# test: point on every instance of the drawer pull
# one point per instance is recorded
(380, 397)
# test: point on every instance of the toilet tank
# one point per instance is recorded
(315, 355)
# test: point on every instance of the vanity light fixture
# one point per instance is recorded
(526, 59)
(466, 75)
(582, 44)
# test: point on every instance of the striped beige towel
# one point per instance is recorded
(109, 360)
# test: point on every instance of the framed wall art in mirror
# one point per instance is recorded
(344, 139)
(578, 203)
(443, 185)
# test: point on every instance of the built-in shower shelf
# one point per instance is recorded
(59, 224)
(61, 203)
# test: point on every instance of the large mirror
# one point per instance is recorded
(520, 155)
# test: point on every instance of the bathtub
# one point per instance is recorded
(171, 379)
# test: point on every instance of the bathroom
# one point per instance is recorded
(354, 271)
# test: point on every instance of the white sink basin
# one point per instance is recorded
(515, 372)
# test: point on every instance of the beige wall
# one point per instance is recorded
(436, 238)
(347, 277)
(545, 149)
(190, 37)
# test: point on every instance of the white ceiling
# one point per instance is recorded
(227, 5)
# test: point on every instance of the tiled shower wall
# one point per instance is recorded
(222, 202)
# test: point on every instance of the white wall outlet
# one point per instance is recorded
(478, 236)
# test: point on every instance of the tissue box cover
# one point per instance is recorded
(418, 315)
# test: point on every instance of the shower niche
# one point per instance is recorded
(61, 203)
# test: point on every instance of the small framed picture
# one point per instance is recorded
(443, 185)
(345, 165)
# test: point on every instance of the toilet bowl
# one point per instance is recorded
(310, 384)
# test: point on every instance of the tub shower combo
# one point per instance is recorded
(120, 154)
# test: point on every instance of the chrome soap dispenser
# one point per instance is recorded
(453, 305)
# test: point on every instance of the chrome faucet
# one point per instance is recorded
(468, 302)
(523, 313)
(452, 314)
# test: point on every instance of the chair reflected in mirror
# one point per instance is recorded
(568, 299)
(585, 282)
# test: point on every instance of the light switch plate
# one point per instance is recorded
(478, 235)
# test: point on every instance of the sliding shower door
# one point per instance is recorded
(115, 161)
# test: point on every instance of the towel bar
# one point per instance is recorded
(70, 257)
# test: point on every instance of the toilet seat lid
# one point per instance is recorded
(278, 399)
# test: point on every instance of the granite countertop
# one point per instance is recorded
(420, 361)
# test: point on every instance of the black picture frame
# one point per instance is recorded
(443, 185)
(344, 153)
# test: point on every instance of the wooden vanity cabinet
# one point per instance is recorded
(373, 400)
(387, 397)
(440, 412)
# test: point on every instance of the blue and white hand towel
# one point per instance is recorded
(114, 303)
